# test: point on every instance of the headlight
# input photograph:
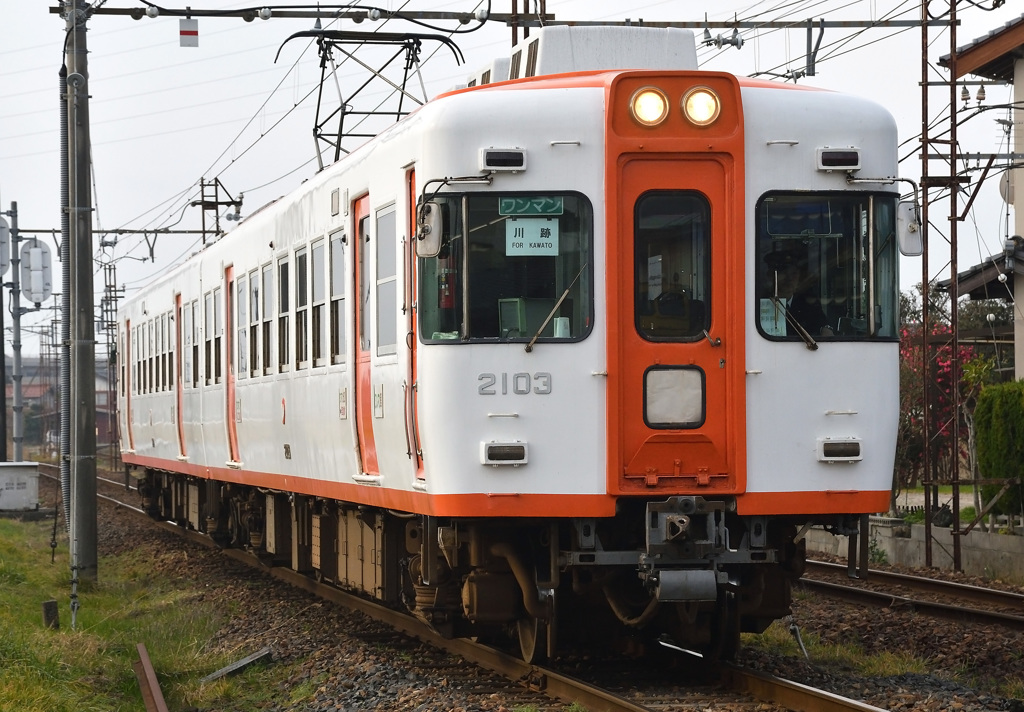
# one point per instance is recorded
(649, 106)
(701, 106)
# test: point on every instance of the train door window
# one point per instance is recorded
(135, 360)
(186, 342)
(161, 352)
(672, 265)
(318, 294)
(283, 307)
(527, 269)
(363, 236)
(387, 282)
(196, 338)
(218, 334)
(141, 361)
(302, 308)
(266, 336)
(208, 339)
(242, 324)
(337, 297)
(254, 323)
(120, 360)
(171, 348)
(826, 266)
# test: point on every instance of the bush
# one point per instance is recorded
(999, 421)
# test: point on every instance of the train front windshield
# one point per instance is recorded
(826, 267)
(511, 267)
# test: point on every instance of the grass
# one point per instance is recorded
(851, 656)
(90, 667)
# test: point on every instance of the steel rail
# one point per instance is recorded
(953, 589)
(881, 599)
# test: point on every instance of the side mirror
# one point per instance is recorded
(429, 230)
(908, 229)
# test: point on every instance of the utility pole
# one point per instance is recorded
(82, 438)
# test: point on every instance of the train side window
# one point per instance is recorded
(318, 293)
(208, 339)
(218, 334)
(672, 265)
(302, 308)
(254, 324)
(387, 282)
(283, 307)
(268, 318)
(149, 356)
(242, 324)
(337, 297)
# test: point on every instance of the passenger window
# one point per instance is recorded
(283, 307)
(337, 297)
(317, 280)
(387, 282)
(302, 308)
(243, 329)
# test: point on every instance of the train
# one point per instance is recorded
(572, 355)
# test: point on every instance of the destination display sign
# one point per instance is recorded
(531, 237)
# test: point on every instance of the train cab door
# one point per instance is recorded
(680, 346)
(363, 383)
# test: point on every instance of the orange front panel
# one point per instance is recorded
(675, 296)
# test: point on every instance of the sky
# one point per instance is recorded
(165, 118)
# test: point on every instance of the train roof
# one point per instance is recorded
(563, 49)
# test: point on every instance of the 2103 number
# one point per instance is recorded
(518, 383)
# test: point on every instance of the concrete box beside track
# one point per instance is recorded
(995, 556)
(19, 486)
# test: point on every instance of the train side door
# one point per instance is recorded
(127, 384)
(363, 384)
(680, 347)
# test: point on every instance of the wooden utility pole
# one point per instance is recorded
(82, 438)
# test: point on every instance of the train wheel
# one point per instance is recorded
(533, 639)
(725, 629)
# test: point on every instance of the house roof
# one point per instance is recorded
(982, 280)
(991, 56)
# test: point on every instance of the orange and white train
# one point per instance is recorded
(584, 350)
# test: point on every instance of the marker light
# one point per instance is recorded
(649, 106)
(701, 106)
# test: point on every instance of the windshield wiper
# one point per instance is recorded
(797, 326)
(554, 309)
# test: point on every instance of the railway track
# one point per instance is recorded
(620, 690)
(934, 597)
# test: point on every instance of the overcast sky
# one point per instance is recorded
(163, 116)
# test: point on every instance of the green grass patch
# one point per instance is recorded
(90, 667)
(848, 655)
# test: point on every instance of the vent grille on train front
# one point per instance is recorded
(502, 159)
(503, 453)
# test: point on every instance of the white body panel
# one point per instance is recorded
(302, 408)
(839, 386)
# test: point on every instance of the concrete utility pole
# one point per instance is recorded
(82, 329)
